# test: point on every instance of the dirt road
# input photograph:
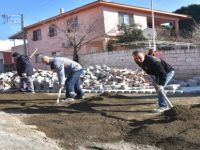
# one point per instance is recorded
(15, 135)
(109, 121)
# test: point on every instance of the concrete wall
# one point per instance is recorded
(185, 62)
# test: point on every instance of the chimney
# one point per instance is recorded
(61, 10)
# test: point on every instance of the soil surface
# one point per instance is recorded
(15, 135)
(111, 121)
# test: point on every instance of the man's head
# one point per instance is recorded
(15, 55)
(46, 60)
(138, 56)
(151, 52)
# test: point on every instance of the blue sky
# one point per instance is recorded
(36, 10)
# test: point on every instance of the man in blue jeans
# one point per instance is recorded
(70, 69)
(161, 71)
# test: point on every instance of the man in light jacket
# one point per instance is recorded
(67, 68)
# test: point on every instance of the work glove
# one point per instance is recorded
(61, 86)
(24, 75)
(160, 88)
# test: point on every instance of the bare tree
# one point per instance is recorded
(196, 34)
(78, 35)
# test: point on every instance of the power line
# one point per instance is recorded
(16, 19)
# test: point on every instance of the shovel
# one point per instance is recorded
(163, 94)
(59, 94)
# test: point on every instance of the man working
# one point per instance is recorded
(71, 69)
(25, 71)
(162, 72)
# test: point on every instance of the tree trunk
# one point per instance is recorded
(75, 55)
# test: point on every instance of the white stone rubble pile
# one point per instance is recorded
(97, 78)
(93, 78)
(42, 80)
(106, 78)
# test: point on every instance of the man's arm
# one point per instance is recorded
(159, 69)
(60, 72)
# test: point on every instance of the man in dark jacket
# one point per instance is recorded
(162, 72)
(25, 71)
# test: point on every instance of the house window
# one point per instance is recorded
(93, 50)
(37, 35)
(52, 30)
(72, 24)
(125, 18)
(56, 54)
(38, 58)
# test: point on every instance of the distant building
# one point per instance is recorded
(6, 61)
(49, 41)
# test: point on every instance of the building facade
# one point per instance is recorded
(6, 61)
(49, 35)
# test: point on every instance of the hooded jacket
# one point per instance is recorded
(157, 67)
(23, 65)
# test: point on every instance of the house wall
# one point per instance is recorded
(18, 49)
(185, 62)
(7, 56)
(54, 44)
(111, 20)
(141, 20)
(1, 62)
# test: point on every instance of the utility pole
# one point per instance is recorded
(17, 19)
(24, 34)
(153, 25)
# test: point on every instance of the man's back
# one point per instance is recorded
(24, 65)
(153, 65)
(68, 64)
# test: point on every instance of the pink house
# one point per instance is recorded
(106, 15)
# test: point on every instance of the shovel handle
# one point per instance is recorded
(59, 94)
(163, 94)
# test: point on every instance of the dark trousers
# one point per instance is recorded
(26, 84)
(72, 85)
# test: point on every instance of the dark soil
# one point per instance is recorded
(175, 129)
(111, 118)
(184, 113)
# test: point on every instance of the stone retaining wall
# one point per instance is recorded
(185, 62)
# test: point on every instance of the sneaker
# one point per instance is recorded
(22, 90)
(78, 97)
(161, 109)
(30, 91)
(68, 100)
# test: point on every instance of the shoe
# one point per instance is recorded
(29, 91)
(22, 90)
(161, 109)
(78, 97)
(68, 100)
